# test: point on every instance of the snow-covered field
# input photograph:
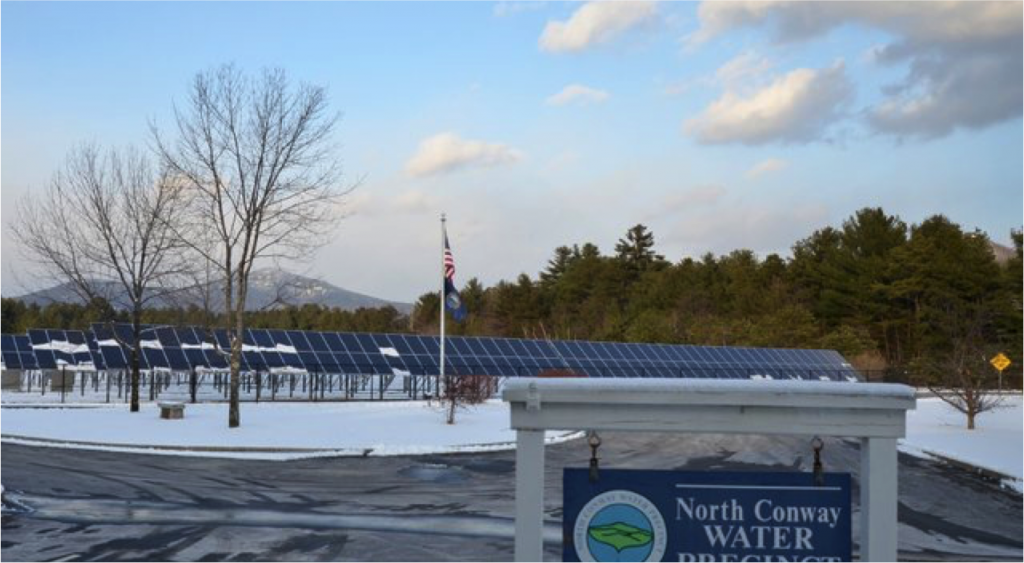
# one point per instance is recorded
(997, 442)
(357, 428)
(298, 430)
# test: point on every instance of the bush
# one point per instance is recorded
(470, 389)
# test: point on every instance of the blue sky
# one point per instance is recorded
(535, 125)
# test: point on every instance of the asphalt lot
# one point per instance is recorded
(89, 505)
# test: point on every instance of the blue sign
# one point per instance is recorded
(631, 515)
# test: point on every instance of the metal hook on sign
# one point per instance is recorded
(819, 474)
(594, 441)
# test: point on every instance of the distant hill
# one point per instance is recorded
(267, 288)
(1001, 252)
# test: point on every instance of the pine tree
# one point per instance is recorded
(637, 250)
(1009, 311)
(939, 278)
(558, 264)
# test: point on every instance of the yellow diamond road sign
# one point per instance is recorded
(1000, 361)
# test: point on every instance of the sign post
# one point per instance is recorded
(873, 412)
(1000, 362)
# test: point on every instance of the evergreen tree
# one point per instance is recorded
(558, 264)
(941, 278)
(814, 269)
(637, 250)
(424, 318)
(1009, 309)
(13, 314)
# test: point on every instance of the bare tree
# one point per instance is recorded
(962, 377)
(257, 157)
(105, 224)
(460, 391)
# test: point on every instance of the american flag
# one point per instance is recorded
(449, 261)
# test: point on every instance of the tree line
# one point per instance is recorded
(18, 317)
(885, 294)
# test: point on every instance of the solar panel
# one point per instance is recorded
(193, 347)
(113, 354)
(288, 351)
(56, 349)
(46, 357)
(396, 354)
(307, 357)
(9, 352)
(25, 352)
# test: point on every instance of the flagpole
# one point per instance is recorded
(443, 278)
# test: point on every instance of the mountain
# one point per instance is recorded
(268, 288)
(1002, 253)
(299, 290)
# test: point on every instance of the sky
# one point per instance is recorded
(533, 125)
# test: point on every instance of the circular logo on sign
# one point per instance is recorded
(619, 526)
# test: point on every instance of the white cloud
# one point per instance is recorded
(577, 93)
(504, 9)
(742, 70)
(969, 91)
(447, 152)
(797, 107)
(593, 23)
(963, 21)
(965, 58)
(766, 166)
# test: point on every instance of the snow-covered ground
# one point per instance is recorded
(996, 443)
(356, 428)
(397, 428)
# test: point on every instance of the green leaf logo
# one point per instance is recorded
(620, 535)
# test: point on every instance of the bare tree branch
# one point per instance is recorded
(106, 227)
(254, 157)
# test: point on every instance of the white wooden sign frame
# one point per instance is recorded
(873, 412)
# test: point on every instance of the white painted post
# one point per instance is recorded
(529, 544)
(878, 499)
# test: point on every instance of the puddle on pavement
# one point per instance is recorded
(433, 473)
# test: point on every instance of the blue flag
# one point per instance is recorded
(452, 300)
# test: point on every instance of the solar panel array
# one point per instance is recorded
(55, 348)
(184, 349)
(17, 353)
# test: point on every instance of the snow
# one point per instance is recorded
(282, 348)
(388, 351)
(573, 386)
(286, 370)
(996, 443)
(282, 431)
(62, 346)
(200, 346)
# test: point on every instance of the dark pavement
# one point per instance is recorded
(91, 505)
